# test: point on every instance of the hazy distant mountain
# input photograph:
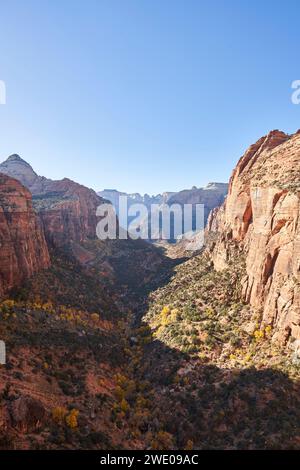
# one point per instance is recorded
(211, 196)
(113, 195)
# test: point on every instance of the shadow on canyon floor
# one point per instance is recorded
(176, 400)
(217, 408)
(213, 407)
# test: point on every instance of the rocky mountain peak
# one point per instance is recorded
(18, 168)
(15, 159)
(67, 209)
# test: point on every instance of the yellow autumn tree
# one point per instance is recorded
(71, 418)
(59, 414)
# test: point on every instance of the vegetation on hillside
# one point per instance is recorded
(100, 365)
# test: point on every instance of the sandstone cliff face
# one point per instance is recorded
(23, 249)
(67, 209)
(262, 217)
(68, 212)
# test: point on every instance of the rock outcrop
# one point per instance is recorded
(261, 216)
(67, 209)
(23, 249)
(27, 413)
(68, 212)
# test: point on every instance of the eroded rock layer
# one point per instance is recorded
(67, 209)
(262, 216)
(23, 249)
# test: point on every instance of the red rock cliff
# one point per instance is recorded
(23, 249)
(262, 216)
(67, 209)
(68, 212)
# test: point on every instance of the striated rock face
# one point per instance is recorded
(68, 212)
(262, 217)
(17, 168)
(67, 209)
(23, 249)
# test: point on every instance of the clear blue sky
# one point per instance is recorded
(145, 95)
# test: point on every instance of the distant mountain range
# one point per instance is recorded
(113, 196)
(68, 209)
(212, 195)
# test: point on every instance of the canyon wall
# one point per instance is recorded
(67, 209)
(23, 249)
(261, 217)
(68, 212)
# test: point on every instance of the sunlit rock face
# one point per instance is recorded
(261, 215)
(67, 209)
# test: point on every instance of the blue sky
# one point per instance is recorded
(145, 95)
